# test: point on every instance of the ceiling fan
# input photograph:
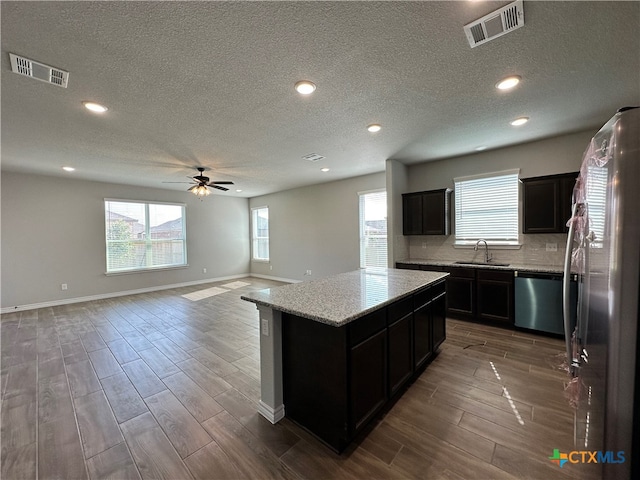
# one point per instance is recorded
(201, 183)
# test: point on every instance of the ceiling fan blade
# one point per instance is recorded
(177, 182)
(219, 188)
(220, 183)
(201, 178)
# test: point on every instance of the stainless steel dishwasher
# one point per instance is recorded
(538, 299)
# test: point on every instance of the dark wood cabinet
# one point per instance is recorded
(547, 203)
(495, 296)
(368, 380)
(336, 379)
(400, 338)
(461, 286)
(426, 213)
(438, 320)
(471, 294)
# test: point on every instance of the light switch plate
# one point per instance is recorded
(265, 326)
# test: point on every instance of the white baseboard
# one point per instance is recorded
(274, 415)
(102, 296)
(277, 279)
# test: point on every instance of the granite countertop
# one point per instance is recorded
(512, 266)
(340, 299)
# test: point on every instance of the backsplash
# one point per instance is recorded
(532, 252)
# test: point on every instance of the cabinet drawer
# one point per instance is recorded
(462, 272)
(408, 266)
(497, 275)
(399, 309)
(366, 326)
(438, 289)
(421, 298)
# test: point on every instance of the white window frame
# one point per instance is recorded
(467, 234)
(256, 239)
(364, 238)
(147, 239)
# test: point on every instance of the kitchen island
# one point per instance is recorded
(335, 351)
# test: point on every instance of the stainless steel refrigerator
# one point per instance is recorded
(603, 248)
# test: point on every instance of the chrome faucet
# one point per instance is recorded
(487, 257)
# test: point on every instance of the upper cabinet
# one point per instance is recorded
(426, 213)
(547, 203)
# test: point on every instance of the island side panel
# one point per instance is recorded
(315, 378)
(271, 405)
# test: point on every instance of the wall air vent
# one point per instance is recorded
(39, 71)
(313, 157)
(495, 24)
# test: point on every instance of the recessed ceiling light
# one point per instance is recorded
(481, 147)
(68, 169)
(520, 121)
(374, 127)
(325, 169)
(239, 190)
(305, 87)
(508, 83)
(95, 107)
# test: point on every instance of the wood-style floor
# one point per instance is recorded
(158, 386)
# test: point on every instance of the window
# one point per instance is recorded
(260, 233)
(143, 236)
(373, 229)
(487, 207)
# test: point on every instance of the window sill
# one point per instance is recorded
(145, 270)
(260, 260)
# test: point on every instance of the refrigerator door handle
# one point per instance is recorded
(566, 303)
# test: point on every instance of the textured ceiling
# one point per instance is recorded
(211, 84)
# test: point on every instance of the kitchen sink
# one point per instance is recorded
(491, 264)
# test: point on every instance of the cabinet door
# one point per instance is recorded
(412, 214)
(422, 335)
(540, 202)
(433, 213)
(460, 296)
(438, 320)
(567, 183)
(495, 296)
(368, 380)
(400, 353)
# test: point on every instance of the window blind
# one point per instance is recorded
(487, 207)
(142, 236)
(373, 229)
(596, 200)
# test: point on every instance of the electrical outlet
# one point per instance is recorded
(265, 326)
(270, 267)
(63, 286)
(204, 270)
(424, 244)
(552, 247)
(308, 272)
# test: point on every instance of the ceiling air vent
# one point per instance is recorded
(495, 24)
(39, 71)
(313, 157)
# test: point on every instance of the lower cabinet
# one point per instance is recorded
(336, 379)
(368, 379)
(461, 286)
(495, 296)
(475, 294)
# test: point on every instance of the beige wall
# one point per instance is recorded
(314, 228)
(53, 233)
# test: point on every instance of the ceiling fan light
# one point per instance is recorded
(201, 191)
